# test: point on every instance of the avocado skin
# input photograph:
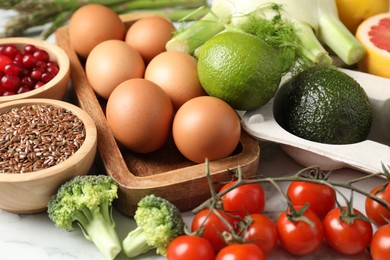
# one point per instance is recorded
(323, 104)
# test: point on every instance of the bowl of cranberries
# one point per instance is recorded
(32, 68)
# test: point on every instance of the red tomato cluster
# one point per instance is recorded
(311, 219)
(260, 235)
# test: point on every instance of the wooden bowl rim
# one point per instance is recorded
(88, 144)
(55, 52)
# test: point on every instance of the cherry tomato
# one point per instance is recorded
(386, 195)
(321, 198)
(347, 238)
(262, 232)
(380, 246)
(243, 200)
(213, 227)
(190, 248)
(241, 252)
(299, 237)
(375, 211)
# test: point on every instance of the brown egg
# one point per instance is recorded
(206, 127)
(92, 24)
(176, 72)
(110, 63)
(140, 115)
(149, 36)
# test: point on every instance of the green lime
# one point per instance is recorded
(323, 104)
(240, 69)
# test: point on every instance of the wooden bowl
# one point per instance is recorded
(26, 193)
(55, 88)
(166, 172)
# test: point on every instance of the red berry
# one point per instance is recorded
(36, 75)
(11, 51)
(53, 70)
(52, 63)
(23, 89)
(41, 55)
(38, 84)
(10, 82)
(24, 72)
(4, 60)
(46, 77)
(29, 61)
(27, 81)
(8, 93)
(18, 58)
(2, 49)
(41, 65)
(12, 69)
(29, 48)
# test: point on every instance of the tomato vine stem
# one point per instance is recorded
(309, 174)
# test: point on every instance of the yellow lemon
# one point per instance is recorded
(353, 12)
(374, 34)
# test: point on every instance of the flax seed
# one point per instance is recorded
(35, 137)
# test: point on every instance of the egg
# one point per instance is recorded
(206, 127)
(140, 114)
(111, 63)
(149, 35)
(92, 24)
(176, 72)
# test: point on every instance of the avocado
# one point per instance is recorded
(325, 105)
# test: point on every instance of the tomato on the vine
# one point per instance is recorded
(321, 198)
(241, 252)
(243, 200)
(262, 232)
(213, 226)
(190, 248)
(298, 236)
(380, 246)
(347, 234)
(375, 211)
(386, 195)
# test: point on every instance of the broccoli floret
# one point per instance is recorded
(87, 202)
(158, 223)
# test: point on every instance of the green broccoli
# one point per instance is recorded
(86, 201)
(158, 223)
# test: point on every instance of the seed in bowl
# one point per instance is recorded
(38, 136)
(24, 70)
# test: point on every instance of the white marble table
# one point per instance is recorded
(36, 237)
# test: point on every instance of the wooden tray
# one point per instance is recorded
(166, 172)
